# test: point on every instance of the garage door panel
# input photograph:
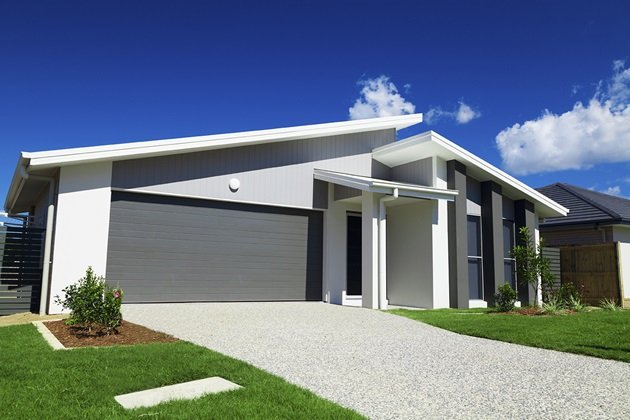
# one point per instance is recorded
(166, 249)
(130, 230)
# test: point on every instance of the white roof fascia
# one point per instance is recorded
(191, 144)
(382, 186)
(432, 143)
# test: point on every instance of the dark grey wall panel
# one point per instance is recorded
(167, 249)
(457, 236)
(492, 238)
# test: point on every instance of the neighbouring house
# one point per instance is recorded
(340, 212)
(595, 238)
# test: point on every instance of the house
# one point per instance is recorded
(339, 212)
(595, 218)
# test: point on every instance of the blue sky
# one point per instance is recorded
(86, 73)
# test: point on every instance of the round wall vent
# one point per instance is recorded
(235, 184)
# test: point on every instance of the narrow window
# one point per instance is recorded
(508, 244)
(475, 273)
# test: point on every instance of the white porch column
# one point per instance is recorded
(334, 250)
(369, 254)
(439, 244)
(439, 241)
(82, 225)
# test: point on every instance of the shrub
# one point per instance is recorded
(553, 305)
(92, 303)
(576, 304)
(504, 299)
(531, 265)
(609, 305)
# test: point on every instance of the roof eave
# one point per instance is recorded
(16, 181)
(383, 186)
(546, 207)
(151, 148)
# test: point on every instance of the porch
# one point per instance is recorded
(385, 243)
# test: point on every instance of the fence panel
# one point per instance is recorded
(20, 268)
(592, 268)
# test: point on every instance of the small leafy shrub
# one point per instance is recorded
(504, 299)
(575, 303)
(553, 305)
(92, 303)
(566, 292)
(609, 305)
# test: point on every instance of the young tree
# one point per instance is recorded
(531, 265)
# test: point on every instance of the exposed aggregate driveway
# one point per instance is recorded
(390, 367)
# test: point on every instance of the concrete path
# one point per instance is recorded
(389, 367)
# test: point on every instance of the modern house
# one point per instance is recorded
(594, 219)
(340, 212)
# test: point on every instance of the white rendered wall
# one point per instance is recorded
(335, 231)
(82, 225)
(439, 229)
(369, 252)
(624, 263)
(622, 235)
(409, 259)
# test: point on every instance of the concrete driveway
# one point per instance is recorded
(389, 367)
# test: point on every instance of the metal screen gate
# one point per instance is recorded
(21, 248)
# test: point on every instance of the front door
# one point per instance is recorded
(353, 252)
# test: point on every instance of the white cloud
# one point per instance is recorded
(379, 98)
(598, 132)
(462, 115)
(616, 190)
(466, 114)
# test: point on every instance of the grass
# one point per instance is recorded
(598, 333)
(38, 382)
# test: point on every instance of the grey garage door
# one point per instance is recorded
(167, 249)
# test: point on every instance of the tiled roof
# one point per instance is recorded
(586, 206)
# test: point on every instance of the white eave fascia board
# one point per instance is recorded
(16, 183)
(216, 141)
(364, 183)
(468, 158)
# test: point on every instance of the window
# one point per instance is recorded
(475, 272)
(509, 263)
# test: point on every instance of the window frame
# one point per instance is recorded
(508, 258)
(477, 258)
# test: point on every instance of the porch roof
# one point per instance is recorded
(365, 183)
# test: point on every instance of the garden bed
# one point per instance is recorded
(127, 333)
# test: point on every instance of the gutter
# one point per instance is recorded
(382, 248)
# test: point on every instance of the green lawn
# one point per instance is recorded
(597, 333)
(37, 382)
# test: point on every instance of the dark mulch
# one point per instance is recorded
(530, 310)
(128, 333)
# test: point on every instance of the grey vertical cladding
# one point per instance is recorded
(167, 249)
(524, 216)
(417, 172)
(492, 238)
(342, 192)
(457, 236)
(380, 170)
(279, 173)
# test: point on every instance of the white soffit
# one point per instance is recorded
(430, 144)
(191, 144)
(365, 183)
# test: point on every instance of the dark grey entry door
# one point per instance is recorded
(168, 249)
